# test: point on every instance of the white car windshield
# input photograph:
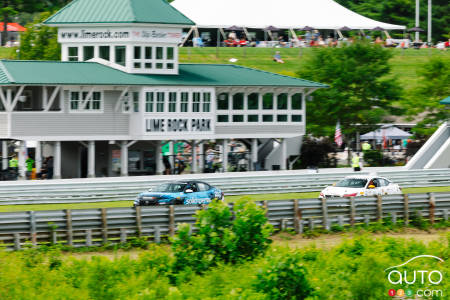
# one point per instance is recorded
(352, 183)
(170, 188)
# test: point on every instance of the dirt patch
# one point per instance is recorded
(331, 240)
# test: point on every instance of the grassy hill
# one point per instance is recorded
(404, 63)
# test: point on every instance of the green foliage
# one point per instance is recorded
(373, 158)
(418, 221)
(283, 277)
(315, 152)
(359, 92)
(219, 239)
(39, 42)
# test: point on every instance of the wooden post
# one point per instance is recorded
(283, 224)
(311, 224)
(394, 218)
(123, 235)
(352, 211)
(69, 227)
(432, 207)
(157, 233)
(406, 209)
(445, 214)
(54, 237)
(266, 208)
(104, 226)
(88, 237)
(138, 220)
(17, 241)
(379, 208)
(171, 220)
(298, 226)
(325, 214)
(33, 228)
(341, 221)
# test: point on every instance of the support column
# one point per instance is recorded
(225, 155)
(38, 157)
(159, 161)
(429, 22)
(4, 155)
(254, 154)
(172, 155)
(201, 155)
(283, 165)
(91, 159)
(417, 18)
(22, 158)
(194, 157)
(124, 158)
(57, 161)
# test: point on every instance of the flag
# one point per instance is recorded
(338, 135)
(384, 139)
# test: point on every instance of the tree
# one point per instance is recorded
(359, 92)
(40, 42)
(424, 100)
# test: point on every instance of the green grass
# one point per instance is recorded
(258, 197)
(7, 53)
(405, 63)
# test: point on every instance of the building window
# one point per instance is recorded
(160, 101)
(88, 52)
(104, 52)
(137, 52)
(148, 52)
(253, 118)
(172, 102)
(238, 118)
(121, 52)
(222, 101)
(222, 118)
(268, 101)
(282, 101)
(206, 102)
(196, 102)
(79, 101)
(296, 118)
(170, 66)
(253, 101)
(136, 101)
(149, 102)
(238, 101)
(184, 102)
(159, 52)
(73, 53)
(282, 118)
(170, 53)
(296, 101)
(267, 118)
(148, 65)
(159, 65)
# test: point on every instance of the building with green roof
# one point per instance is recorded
(120, 93)
(446, 101)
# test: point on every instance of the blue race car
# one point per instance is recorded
(180, 192)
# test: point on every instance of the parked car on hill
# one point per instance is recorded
(180, 192)
(361, 185)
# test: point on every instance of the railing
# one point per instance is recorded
(89, 227)
(126, 189)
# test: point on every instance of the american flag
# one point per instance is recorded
(338, 135)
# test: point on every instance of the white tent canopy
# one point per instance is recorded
(283, 14)
(390, 132)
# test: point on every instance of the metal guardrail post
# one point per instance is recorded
(379, 208)
(394, 217)
(432, 207)
(171, 220)
(88, 237)
(33, 227)
(311, 224)
(157, 233)
(406, 209)
(69, 227)
(266, 208)
(138, 220)
(123, 235)
(367, 220)
(54, 236)
(17, 241)
(445, 214)
(341, 221)
(352, 211)
(325, 214)
(104, 226)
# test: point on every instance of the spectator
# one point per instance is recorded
(242, 42)
(277, 58)
(49, 163)
(229, 42)
(29, 163)
(232, 35)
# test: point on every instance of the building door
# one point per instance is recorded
(83, 162)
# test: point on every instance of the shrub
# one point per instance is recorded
(283, 277)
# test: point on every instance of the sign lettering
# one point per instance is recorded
(177, 125)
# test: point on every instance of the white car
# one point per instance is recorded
(355, 186)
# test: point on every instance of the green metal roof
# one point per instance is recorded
(20, 72)
(446, 101)
(118, 11)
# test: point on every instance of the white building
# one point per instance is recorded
(120, 89)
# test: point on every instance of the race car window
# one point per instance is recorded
(193, 187)
(352, 182)
(170, 188)
(202, 187)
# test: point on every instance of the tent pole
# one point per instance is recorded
(294, 36)
(387, 34)
(429, 22)
(223, 34)
(246, 33)
(196, 32)
(417, 18)
(340, 34)
(187, 36)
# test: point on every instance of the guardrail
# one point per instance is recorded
(89, 227)
(120, 189)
